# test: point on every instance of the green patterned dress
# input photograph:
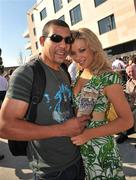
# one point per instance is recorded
(101, 155)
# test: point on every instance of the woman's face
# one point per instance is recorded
(81, 54)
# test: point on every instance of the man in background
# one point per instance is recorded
(3, 87)
(130, 92)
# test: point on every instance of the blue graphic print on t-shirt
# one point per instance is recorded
(62, 99)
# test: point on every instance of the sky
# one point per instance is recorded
(13, 23)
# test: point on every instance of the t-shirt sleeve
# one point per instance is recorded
(111, 78)
(20, 84)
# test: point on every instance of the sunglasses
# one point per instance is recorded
(58, 38)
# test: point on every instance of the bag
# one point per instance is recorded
(18, 148)
(111, 113)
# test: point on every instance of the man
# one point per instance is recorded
(130, 92)
(50, 152)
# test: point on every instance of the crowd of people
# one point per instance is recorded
(72, 138)
(129, 82)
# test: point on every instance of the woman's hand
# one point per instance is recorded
(81, 139)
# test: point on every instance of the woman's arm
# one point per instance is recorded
(123, 122)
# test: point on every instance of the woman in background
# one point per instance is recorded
(95, 89)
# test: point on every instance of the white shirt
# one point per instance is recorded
(72, 69)
(118, 65)
(3, 83)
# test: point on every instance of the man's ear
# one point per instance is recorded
(42, 39)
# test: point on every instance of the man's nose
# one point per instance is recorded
(63, 43)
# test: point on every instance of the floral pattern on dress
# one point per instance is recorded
(101, 155)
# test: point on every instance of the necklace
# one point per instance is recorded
(60, 83)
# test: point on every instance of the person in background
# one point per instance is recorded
(96, 88)
(118, 64)
(8, 74)
(130, 92)
(130, 62)
(73, 69)
(65, 66)
(50, 152)
(3, 89)
(133, 59)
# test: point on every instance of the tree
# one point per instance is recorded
(20, 59)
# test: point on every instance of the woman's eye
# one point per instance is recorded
(82, 49)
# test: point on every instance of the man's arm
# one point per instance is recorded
(14, 126)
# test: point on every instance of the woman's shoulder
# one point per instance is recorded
(111, 77)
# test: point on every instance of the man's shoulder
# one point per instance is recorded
(20, 83)
(22, 75)
(24, 69)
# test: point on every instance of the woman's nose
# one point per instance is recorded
(77, 57)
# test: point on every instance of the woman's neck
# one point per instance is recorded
(86, 74)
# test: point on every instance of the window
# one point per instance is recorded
(34, 31)
(122, 48)
(62, 18)
(98, 2)
(32, 17)
(43, 14)
(106, 24)
(36, 45)
(57, 5)
(75, 15)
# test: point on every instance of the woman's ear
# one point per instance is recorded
(42, 39)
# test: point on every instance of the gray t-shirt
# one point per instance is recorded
(54, 153)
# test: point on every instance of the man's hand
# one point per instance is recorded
(75, 126)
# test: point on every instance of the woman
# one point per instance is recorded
(95, 89)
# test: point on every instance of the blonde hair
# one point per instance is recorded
(101, 63)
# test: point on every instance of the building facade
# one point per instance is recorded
(114, 22)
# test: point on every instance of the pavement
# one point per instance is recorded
(15, 168)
